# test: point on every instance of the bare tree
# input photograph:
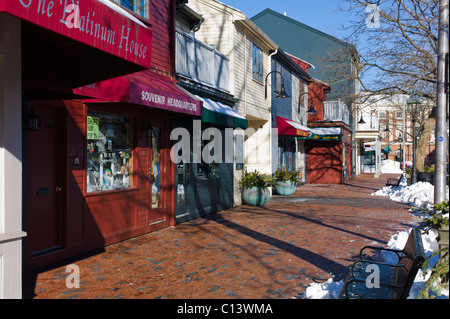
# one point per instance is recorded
(397, 44)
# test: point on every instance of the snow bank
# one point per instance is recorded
(419, 195)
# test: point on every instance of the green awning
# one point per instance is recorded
(221, 114)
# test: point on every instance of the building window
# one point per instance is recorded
(257, 61)
(399, 115)
(109, 152)
(140, 7)
(382, 115)
(278, 76)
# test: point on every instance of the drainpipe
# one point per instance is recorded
(270, 116)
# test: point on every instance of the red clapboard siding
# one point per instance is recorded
(162, 19)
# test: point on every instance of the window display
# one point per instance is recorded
(155, 172)
(109, 152)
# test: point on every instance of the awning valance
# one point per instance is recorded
(148, 89)
(221, 114)
(291, 128)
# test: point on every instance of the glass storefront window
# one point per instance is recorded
(109, 152)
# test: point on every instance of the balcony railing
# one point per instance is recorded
(201, 63)
(336, 111)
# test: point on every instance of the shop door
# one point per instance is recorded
(45, 157)
(157, 179)
(182, 176)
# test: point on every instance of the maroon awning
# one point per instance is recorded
(147, 89)
(291, 128)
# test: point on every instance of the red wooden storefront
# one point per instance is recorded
(97, 169)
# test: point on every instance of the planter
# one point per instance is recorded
(286, 188)
(256, 196)
(426, 177)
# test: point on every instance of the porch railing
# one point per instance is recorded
(200, 62)
(336, 111)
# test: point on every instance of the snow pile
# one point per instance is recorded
(390, 167)
(328, 290)
(419, 195)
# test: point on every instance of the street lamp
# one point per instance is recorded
(282, 94)
(413, 108)
(311, 109)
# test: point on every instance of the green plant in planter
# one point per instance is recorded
(428, 169)
(255, 187)
(255, 179)
(286, 181)
(283, 175)
(437, 219)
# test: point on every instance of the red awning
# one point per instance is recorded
(96, 23)
(291, 128)
(148, 89)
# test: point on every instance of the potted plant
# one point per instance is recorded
(255, 187)
(286, 182)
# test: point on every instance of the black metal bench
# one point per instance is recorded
(394, 181)
(369, 279)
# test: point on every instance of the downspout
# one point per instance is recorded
(270, 115)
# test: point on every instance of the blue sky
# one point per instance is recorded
(323, 15)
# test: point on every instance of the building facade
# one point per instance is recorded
(206, 185)
(249, 50)
(388, 121)
(289, 114)
(31, 32)
(331, 60)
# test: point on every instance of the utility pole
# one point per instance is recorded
(441, 106)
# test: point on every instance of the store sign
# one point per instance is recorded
(324, 137)
(145, 95)
(93, 128)
(91, 22)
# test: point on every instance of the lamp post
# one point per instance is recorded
(282, 94)
(400, 141)
(413, 103)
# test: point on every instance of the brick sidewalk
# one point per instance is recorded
(274, 251)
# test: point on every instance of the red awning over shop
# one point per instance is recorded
(148, 89)
(97, 23)
(291, 128)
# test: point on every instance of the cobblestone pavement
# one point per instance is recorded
(274, 251)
